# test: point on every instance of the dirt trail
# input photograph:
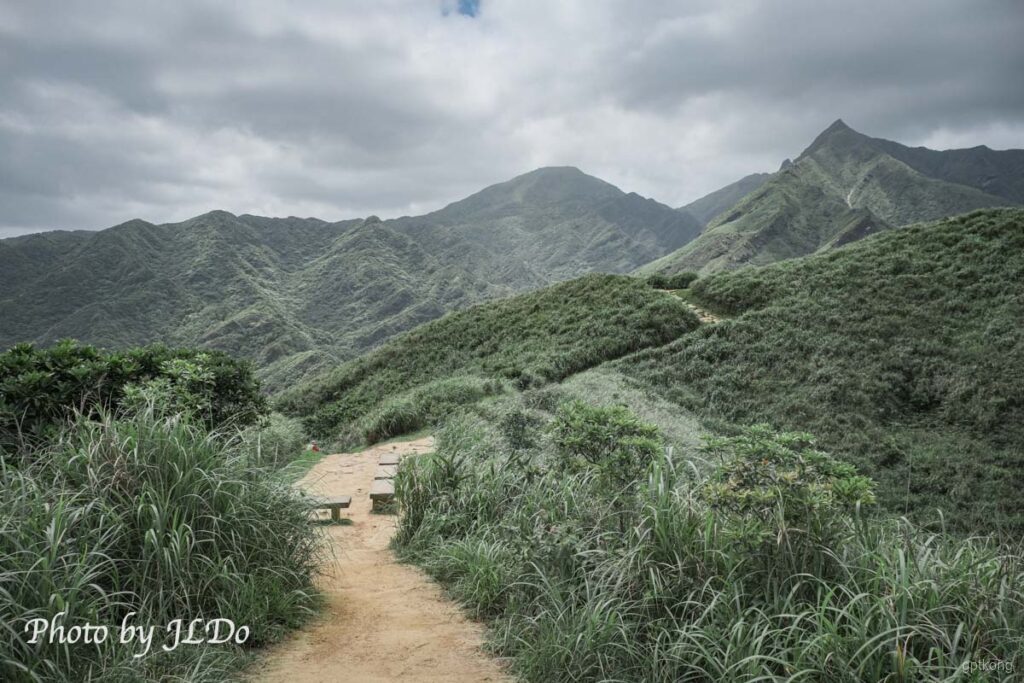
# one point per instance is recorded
(703, 315)
(383, 621)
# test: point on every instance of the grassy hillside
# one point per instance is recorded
(298, 296)
(903, 353)
(527, 340)
(843, 187)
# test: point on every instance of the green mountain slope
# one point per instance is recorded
(528, 340)
(843, 187)
(904, 353)
(301, 295)
(708, 207)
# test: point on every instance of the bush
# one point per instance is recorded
(782, 481)
(610, 441)
(41, 388)
(157, 517)
(275, 442)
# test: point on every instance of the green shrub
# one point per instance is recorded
(275, 442)
(41, 388)
(610, 441)
(769, 476)
(157, 517)
(657, 281)
(675, 281)
(520, 427)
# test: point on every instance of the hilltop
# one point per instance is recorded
(300, 295)
(843, 187)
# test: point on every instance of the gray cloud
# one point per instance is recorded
(163, 111)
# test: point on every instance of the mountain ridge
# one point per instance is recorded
(846, 178)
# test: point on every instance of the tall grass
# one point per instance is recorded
(152, 516)
(690, 590)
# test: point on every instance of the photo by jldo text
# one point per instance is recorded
(171, 635)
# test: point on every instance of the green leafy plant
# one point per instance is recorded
(40, 389)
(612, 442)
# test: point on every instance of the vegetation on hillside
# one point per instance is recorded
(764, 563)
(904, 354)
(40, 389)
(527, 340)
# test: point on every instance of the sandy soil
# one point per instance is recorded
(383, 621)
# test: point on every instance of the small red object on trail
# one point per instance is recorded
(313, 447)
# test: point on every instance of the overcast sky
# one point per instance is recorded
(161, 111)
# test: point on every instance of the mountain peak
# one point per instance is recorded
(837, 134)
(837, 126)
(546, 186)
(554, 171)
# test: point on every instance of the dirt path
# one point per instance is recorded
(383, 621)
(704, 316)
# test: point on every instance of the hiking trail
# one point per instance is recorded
(382, 621)
(704, 316)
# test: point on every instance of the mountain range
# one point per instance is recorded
(843, 187)
(299, 295)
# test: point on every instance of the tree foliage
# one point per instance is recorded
(41, 388)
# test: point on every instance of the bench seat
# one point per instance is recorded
(332, 503)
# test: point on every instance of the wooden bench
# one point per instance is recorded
(332, 503)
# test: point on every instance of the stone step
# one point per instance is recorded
(382, 490)
(386, 472)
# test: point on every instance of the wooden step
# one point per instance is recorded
(389, 459)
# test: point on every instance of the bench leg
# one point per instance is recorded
(336, 514)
